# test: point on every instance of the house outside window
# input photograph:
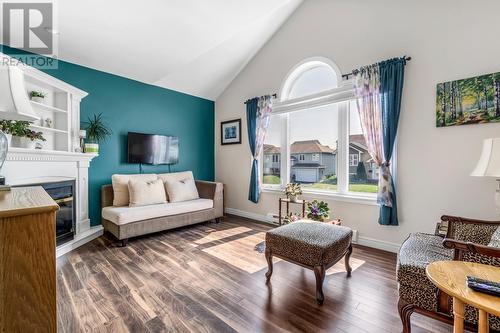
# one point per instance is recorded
(318, 139)
(353, 159)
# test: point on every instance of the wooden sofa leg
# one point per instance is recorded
(217, 220)
(405, 310)
(124, 242)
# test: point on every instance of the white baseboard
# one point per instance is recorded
(378, 244)
(79, 240)
(365, 241)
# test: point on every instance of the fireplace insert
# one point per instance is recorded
(63, 193)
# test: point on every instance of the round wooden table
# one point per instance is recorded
(451, 278)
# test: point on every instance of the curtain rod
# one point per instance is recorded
(356, 71)
(273, 95)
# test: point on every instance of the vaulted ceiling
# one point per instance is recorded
(192, 46)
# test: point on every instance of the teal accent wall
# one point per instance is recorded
(129, 105)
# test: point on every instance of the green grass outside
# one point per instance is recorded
(362, 188)
(271, 179)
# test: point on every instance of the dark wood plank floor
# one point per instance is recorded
(210, 278)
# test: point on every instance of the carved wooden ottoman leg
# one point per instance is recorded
(347, 257)
(269, 258)
(319, 271)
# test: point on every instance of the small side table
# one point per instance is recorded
(450, 277)
(288, 202)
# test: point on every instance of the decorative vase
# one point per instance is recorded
(23, 142)
(9, 139)
(292, 198)
(37, 99)
(92, 148)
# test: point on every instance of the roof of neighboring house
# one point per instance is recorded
(308, 165)
(358, 140)
(271, 149)
(309, 146)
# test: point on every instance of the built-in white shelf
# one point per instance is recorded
(47, 107)
(48, 129)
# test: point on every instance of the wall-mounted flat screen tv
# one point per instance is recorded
(152, 148)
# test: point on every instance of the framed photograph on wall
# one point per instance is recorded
(230, 132)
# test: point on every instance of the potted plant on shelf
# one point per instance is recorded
(37, 96)
(318, 210)
(292, 191)
(6, 127)
(22, 135)
(97, 131)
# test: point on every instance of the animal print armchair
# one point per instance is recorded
(467, 240)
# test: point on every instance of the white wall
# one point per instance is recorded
(447, 40)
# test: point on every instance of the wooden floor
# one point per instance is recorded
(210, 278)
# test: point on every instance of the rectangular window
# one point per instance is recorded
(313, 132)
(363, 171)
(353, 160)
(271, 151)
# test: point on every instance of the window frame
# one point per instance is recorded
(342, 95)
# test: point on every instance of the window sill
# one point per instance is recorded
(363, 199)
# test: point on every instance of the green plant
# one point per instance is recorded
(20, 128)
(293, 189)
(361, 172)
(317, 210)
(6, 126)
(40, 94)
(97, 130)
(32, 135)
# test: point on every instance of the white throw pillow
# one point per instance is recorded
(175, 176)
(120, 186)
(143, 193)
(181, 190)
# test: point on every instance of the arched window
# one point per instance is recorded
(316, 130)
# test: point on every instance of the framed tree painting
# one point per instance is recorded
(474, 100)
(230, 132)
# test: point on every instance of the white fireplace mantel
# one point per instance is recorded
(35, 166)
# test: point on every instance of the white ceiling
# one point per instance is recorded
(193, 46)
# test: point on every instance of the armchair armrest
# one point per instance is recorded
(462, 247)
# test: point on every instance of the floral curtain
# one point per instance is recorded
(258, 116)
(379, 90)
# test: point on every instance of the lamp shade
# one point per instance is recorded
(489, 162)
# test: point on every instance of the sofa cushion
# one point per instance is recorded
(181, 190)
(418, 251)
(143, 193)
(120, 186)
(173, 176)
(124, 215)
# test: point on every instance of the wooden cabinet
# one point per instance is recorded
(27, 261)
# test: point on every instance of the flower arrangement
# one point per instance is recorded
(291, 217)
(318, 210)
(292, 190)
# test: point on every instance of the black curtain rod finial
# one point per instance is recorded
(356, 71)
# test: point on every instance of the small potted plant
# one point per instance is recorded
(23, 136)
(37, 96)
(97, 131)
(6, 127)
(318, 211)
(292, 191)
(291, 217)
